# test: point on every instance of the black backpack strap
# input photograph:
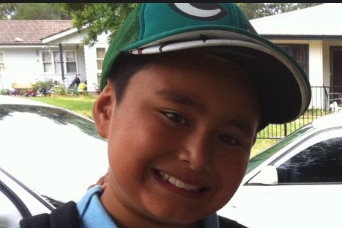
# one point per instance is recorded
(38, 221)
(227, 223)
(65, 216)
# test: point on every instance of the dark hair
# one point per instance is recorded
(125, 66)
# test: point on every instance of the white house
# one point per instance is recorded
(313, 37)
(38, 50)
(30, 50)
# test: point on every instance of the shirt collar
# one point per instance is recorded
(93, 215)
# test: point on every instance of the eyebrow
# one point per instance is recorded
(186, 99)
(243, 125)
(180, 98)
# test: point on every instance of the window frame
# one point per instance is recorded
(99, 62)
(2, 61)
(100, 59)
(55, 62)
(314, 139)
(300, 52)
(68, 62)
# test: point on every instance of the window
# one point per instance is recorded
(2, 61)
(100, 54)
(321, 162)
(57, 61)
(47, 63)
(52, 62)
(70, 61)
(300, 52)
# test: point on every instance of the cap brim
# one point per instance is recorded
(284, 87)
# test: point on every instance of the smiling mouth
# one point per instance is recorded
(178, 183)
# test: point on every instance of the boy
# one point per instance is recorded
(185, 89)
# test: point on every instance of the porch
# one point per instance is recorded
(325, 100)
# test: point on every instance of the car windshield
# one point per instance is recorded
(47, 148)
(59, 116)
(261, 157)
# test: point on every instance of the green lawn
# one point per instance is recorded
(83, 104)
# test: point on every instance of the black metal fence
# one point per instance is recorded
(325, 100)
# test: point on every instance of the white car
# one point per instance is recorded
(295, 183)
(53, 151)
(18, 200)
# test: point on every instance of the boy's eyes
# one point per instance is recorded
(228, 139)
(175, 117)
(179, 119)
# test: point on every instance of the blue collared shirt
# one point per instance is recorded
(93, 215)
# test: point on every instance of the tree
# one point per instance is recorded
(107, 17)
(252, 10)
(6, 10)
(99, 17)
(256, 10)
(39, 11)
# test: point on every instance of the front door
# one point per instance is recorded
(336, 69)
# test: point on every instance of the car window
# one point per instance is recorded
(320, 162)
(263, 156)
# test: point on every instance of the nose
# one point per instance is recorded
(196, 152)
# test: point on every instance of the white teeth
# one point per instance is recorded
(178, 183)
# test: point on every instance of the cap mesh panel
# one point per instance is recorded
(125, 36)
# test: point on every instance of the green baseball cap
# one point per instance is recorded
(154, 28)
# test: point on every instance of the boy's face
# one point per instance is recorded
(179, 141)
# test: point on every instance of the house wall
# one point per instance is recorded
(91, 61)
(22, 65)
(69, 77)
(326, 63)
(319, 59)
(316, 63)
(317, 71)
(318, 67)
(72, 42)
(327, 45)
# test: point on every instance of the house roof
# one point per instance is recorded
(16, 32)
(320, 20)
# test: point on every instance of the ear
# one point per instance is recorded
(103, 108)
(254, 139)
